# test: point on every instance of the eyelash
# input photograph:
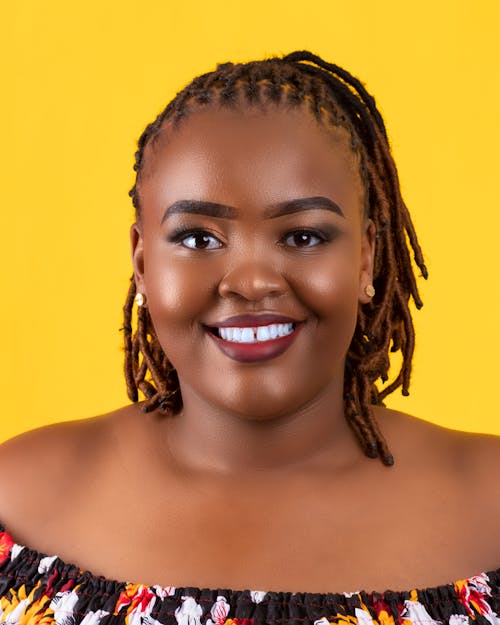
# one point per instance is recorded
(181, 234)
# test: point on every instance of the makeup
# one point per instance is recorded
(263, 229)
(247, 348)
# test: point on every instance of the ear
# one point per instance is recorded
(367, 260)
(137, 250)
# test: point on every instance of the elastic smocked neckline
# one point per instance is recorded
(443, 595)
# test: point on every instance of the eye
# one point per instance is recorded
(196, 239)
(304, 238)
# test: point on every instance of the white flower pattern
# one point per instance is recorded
(364, 617)
(189, 612)
(219, 611)
(46, 563)
(415, 612)
(257, 595)
(164, 591)
(16, 550)
(15, 616)
(40, 589)
(94, 618)
(63, 605)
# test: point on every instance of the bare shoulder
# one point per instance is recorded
(481, 460)
(43, 466)
(472, 458)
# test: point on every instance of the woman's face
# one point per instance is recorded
(253, 221)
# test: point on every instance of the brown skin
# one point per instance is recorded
(258, 483)
(251, 162)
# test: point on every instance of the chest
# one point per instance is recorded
(291, 538)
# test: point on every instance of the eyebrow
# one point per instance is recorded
(214, 209)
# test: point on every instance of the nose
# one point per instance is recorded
(253, 281)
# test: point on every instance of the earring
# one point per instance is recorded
(370, 290)
(139, 299)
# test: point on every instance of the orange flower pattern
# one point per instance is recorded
(41, 589)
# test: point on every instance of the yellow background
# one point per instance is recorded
(81, 80)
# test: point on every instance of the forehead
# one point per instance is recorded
(249, 156)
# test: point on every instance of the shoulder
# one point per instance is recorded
(472, 459)
(42, 467)
(50, 446)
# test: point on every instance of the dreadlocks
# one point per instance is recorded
(385, 324)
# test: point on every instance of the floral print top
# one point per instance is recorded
(41, 589)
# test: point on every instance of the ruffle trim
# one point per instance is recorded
(41, 585)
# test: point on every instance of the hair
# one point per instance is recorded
(385, 324)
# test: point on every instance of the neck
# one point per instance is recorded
(205, 438)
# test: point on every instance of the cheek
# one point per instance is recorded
(178, 292)
(178, 295)
(181, 293)
(330, 286)
(330, 292)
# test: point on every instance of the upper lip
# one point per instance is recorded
(252, 321)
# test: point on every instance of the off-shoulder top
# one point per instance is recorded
(41, 589)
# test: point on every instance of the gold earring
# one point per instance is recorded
(370, 290)
(139, 299)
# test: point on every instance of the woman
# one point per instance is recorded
(272, 276)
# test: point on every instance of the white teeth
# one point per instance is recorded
(236, 335)
(226, 333)
(256, 335)
(247, 335)
(263, 333)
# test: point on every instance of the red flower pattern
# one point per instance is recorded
(6, 544)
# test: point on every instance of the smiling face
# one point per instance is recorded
(250, 213)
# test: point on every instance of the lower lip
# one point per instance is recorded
(256, 352)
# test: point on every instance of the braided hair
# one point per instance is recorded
(384, 325)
